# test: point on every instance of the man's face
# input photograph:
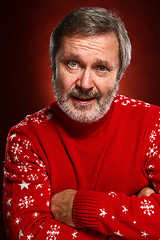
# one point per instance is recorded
(85, 79)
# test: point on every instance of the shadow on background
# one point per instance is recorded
(25, 68)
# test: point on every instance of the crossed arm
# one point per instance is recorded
(27, 197)
(62, 204)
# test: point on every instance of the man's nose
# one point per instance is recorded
(85, 81)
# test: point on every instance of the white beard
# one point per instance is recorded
(79, 112)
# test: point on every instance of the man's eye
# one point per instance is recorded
(72, 64)
(102, 68)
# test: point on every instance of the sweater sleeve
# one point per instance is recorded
(119, 216)
(26, 194)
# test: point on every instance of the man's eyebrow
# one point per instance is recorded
(103, 62)
(70, 55)
(97, 61)
(100, 61)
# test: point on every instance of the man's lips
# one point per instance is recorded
(83, 100)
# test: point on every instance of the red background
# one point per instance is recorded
(25, 68)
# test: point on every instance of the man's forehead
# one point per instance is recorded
(97, 42)
(90, 36)
(99, 46)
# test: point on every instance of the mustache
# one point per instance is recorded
(78, 92)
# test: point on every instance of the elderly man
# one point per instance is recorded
(85, 166)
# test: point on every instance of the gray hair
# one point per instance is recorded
(90, 21)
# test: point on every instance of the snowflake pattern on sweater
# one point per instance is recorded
(146, 210)
(27, 189)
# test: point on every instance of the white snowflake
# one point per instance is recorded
(24, 168)
(45, 176)
(17, 221)
(144, 234)
(30, 236)
(103, 212)
(37, 118)
(112, 194)
(74, 234)
(124, 209)
(153, 135)
(26, 202)
(147, 207)
(126, 101)
(27, 144)
(53, 233)
(152, 151)
(32, 177)
(35, 214)
(21, 124)
(16, 148)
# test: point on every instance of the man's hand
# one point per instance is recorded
(61, 206)
(147, 191)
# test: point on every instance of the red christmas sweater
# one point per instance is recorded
(107, 162)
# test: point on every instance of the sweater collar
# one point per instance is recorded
(78, 129)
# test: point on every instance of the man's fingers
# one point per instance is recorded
(61, 206)
(147, 191)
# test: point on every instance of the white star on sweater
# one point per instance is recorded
(24, 185)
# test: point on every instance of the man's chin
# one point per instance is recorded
(85, 111)
(83, 114)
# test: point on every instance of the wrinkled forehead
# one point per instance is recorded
(78, 41)
(103, 47)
